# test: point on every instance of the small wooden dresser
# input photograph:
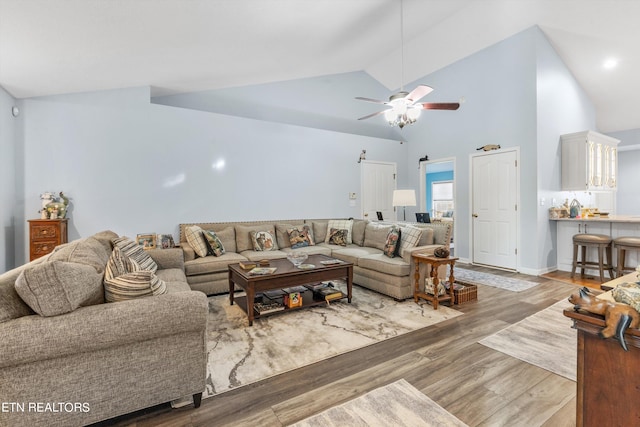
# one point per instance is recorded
(44, 235)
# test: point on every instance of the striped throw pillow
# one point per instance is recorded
(196, 239)
(133, 250)
(124, 279)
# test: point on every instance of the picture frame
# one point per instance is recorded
(147, 240)
(165, 241)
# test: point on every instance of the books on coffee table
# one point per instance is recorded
(261, 271)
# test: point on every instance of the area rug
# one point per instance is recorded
(239, 354)
(472, 277)
(397, 404)
(545, 339)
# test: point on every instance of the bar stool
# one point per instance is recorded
(624, 244)
(601, 242)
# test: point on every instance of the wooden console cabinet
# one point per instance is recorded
(44, 235)
(608, 392)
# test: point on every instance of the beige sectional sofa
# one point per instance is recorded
(372, 269)
(97, 360)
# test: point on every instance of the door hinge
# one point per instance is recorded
(516, 250)
(516, 162)
(516, 207)
(394, 176)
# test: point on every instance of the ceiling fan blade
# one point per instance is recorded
(440, 105)
(371, 100)
(372, 115)
(419, 92)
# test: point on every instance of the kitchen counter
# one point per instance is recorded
(612, 225)
(609, 218)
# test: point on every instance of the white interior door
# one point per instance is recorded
(494, 209)
(378, 180)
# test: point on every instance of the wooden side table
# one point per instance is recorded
(44, 235)
(434, 262)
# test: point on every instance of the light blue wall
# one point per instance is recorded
(325, 102)
(290, 148)
(627, 199)
(498, 84)
(8, 131)
(562, 107)
(430, 178)
(133, 167)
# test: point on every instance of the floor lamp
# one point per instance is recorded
(404, 198)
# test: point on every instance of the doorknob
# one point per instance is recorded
(366, 214)
(475, 215)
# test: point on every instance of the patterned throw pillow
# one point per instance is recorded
(263, 241)
(195, 238)
(216, 247)
(340, 224)
(338, 236)
(124, 279)
(410, 237)
(134, 251)
(392, 246)
(300, 237)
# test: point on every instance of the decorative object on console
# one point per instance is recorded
(53, 207)
(147, 240)
(441, 252)
(618, 317)
(404, 198)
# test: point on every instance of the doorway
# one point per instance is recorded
(378, 180)
(495, 193)
(438, 191)
(437, 188)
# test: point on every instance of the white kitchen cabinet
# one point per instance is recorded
(589, 162)
(566, 231)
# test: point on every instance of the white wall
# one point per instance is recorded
(133, 167)
(8, 126)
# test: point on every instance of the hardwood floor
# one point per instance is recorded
(480, 386)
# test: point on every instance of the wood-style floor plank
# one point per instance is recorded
(479, 385)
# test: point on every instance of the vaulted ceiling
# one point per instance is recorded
(63, 46)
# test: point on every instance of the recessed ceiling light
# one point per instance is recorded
(610, 63)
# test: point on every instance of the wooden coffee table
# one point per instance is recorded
(286, 276)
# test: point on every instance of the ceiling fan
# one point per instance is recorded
(404, 107)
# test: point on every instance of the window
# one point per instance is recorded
(442, 198)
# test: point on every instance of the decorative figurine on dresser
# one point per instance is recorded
(51, 229)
